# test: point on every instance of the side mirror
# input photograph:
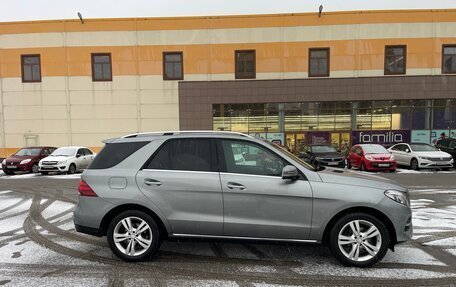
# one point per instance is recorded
(407, 150)
(290, 172)
(78, 155)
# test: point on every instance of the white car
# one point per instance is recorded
(421, 155)
(66, 160)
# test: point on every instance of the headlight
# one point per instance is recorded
(368, 157)
(62, 162)
(25, 161)
(398, 196)
(4, 162)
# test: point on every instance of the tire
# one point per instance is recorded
(348, 164)
(9, 172)
(392, 170)
(152, 236)
(35, 168)
(44, 172)
(72, 168)
(446, 169)
(377, 244)
(414, 164)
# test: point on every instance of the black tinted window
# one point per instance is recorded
(184, 154)
(114, 153)
(87, 151)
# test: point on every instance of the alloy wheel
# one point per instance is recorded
(132, 236)
(359, 240)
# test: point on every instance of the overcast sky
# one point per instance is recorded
(22, 10)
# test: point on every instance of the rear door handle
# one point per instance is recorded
(235, 185)
(151, 182)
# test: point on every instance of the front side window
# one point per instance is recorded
(101, 67)
(245, 64)
(249, 158)
(184, 154)
(319, 62)
(31, 68)
(395, 60)
(173, 66)
(449, 59)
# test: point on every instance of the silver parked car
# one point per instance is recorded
(143, 188)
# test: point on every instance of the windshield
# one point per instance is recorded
(300, 161)
(423, 147)
(323, 149)
(28, 152)
(64, 151)
(374, 149)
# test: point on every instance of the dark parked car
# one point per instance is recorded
(322, 155)
(448, 145)
(26, 159)
(371, 157)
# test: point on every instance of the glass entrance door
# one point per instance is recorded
(341, 141)
(294, 141)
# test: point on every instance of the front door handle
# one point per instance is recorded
(151, 182)
(235, 185)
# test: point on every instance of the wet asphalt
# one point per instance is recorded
(39, 247)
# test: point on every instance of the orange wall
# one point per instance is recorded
(271, 57)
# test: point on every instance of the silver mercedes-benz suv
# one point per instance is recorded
(143, 188)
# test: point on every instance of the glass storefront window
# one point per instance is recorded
(441, 114)
(326, 116)
(343, 116)
(293, 116)
(272, 118)
(221, 119)
(401, 115)
(381, 115)
(310, 113)
(420, 115)
(363, 115)
(257, 119)
(240, 118)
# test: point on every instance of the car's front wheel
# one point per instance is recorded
(35, 168)
(359, 240)
(133, 236)
(414, 164)
(72, 168)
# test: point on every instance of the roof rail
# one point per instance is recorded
(168, 133)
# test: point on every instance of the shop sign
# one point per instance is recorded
(317, 137)
(383, 137)
(421, 136)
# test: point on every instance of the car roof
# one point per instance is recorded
(73, 147)
(177, 134)
(41, 147)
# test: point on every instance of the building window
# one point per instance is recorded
(173, 66)
(449, 59)
(319, 62)
(31, 68)
(245, 64)
(395, 60)
(101, 67)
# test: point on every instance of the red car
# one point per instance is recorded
(26, 159)
(371, 157)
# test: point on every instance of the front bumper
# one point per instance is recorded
(17, 167)
(331, 163)
(54, 168)
(401, 218)
(381, 165)
(424, 163)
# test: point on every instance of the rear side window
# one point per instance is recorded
(184, 154)
(114, 153)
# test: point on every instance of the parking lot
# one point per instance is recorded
(38, 246)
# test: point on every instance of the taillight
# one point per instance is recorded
(85, 190)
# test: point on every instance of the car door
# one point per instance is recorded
(88, 156)
(183, 181)
(356, 157)
(258, 203)
(79, 159)
(407, 154)
(399, 153)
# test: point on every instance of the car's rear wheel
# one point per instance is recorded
(72, 168)
(359, 240)
(35, 168)
(133, 236)
(414, 164)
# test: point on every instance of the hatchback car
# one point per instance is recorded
(421, 155)
(322, 155)
(143, 188)
(26, 159)
(448, 145)
(66, 160)
(371, 157)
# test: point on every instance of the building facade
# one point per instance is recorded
(342, 77)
